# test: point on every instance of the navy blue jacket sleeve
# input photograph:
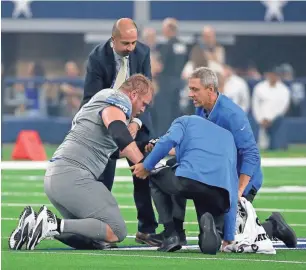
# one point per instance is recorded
(173, 137)
(94, 78)
(245, 143)
(146, 67)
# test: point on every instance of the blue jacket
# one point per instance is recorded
(205, 153)
(101, 72)
(230, 116)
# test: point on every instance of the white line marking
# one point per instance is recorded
(135, 222)
(122, 163)
(106, 253)
(283, 189)
(130, 195)
(134, 208)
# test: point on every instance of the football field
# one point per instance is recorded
(284, 191)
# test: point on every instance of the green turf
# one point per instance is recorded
(17, 187)
(293, 151)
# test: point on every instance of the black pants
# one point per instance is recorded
(165, 185)
(142, 193)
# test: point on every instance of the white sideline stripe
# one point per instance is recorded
(130, 195)
(135, 222)
(133, 207)
(106, 253)
(283, 189)
(122, 163)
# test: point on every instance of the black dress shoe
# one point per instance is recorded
(145, 238)
(158, 238)
(170, 244)
(209, 238)
(282, 230)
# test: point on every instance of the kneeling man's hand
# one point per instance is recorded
(139, 171)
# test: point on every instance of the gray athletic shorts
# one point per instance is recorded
(77, 195)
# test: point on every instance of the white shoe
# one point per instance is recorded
(21, 234)
(46, 227)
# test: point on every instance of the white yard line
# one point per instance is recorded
(130, 195)
(184, 258)
(134, 208)
(122, 163)
(135, 222)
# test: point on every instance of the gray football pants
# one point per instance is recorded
(85, 204)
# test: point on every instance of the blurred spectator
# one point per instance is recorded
(270, 102)
(196, 59)
(297, 91)
(214, 52)
(252, 73)
(149, 38)
(286, 72)
(236, 88)
(173, 56)
(72, 90)
(30, 93)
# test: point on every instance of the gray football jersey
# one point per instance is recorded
(88, 143)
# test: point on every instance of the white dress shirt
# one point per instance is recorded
(270, 102)
(238, 91)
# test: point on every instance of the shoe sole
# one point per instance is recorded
(209, 238)
(35, 237)
(281, 220)
(147, 242)
(20, 234)
(171, 248)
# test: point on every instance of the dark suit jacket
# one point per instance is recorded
(101, 72)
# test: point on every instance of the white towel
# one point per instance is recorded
(250, 236)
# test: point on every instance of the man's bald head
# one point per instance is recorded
(123, 25)
(124, 36)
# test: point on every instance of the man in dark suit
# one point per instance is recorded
(109, 65)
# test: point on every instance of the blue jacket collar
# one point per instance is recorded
(212, 115)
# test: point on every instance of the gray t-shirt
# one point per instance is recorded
(88, 143)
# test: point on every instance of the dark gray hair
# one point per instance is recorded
(206, 76)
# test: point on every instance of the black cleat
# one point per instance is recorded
(282, 230)
(209, 238)
(170, 244)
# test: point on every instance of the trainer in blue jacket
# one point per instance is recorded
(219, 109)
(206, 173)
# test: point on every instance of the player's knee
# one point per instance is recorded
(121, 232)
(118, 231)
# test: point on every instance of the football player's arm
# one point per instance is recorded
(114, 120)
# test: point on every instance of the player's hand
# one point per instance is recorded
(139, 171)
(149, 147)
(133, 129)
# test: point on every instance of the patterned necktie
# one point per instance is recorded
(121, 76)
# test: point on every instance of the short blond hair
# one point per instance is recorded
(139, 83)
